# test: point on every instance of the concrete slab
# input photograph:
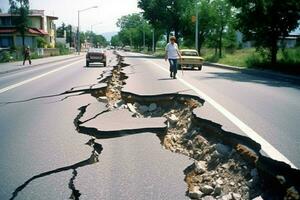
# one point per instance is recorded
(119, 120)
(93, 110)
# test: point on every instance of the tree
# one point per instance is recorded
(133, 27)
(20, 8)
(266, 21)
(60, 31)
(223, 16)
(115, 41)
(166, 14)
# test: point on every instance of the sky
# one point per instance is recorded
(107, 13)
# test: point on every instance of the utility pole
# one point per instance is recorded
(144, 39)
(153, 40)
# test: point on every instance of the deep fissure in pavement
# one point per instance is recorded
(227, 165)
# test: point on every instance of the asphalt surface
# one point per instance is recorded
(43, 156)
(268, 106)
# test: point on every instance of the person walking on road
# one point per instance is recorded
(172, 54)
(27, 55)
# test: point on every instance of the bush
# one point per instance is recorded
(254, 60)
(213, 58)
(5, 56)
(41, 42)
(62, 49)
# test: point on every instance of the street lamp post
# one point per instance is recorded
(78, 28)
(197, 27)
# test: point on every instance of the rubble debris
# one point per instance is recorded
(226, 165)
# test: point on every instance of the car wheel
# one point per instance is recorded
(200, 67)
(87, 64)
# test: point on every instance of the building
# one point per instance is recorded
(284, 42)
(40, 25)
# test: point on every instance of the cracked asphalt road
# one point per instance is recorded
(269, 106)
(41, 150)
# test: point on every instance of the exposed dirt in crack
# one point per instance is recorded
(227, 165)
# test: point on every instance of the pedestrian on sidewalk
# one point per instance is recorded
(172, 54)
(27, 55)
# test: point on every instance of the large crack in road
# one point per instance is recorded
(226, 165)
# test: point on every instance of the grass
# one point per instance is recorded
(238, 58)
(288, 60)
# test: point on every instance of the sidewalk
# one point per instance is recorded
(15, 66)
(259, 72)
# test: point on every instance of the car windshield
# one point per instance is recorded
(95, 50)
(189, 53)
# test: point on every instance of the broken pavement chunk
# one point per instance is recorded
(223, 149)
(207, 189)
(119, 120)
(152, 107)
(92, 110)
(173, 119)
(131, 108)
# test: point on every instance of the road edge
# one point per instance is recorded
(258, 72)
(39, 64)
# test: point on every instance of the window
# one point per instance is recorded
(6, 41)
(5, 21)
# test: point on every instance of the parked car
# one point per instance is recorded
(127, 48)
(190, 59)
(95, 55)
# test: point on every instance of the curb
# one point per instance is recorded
(36, 65)
(262, 73)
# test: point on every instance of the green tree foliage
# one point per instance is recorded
(60, 31)
(169, 15)
(266, 21)
(133, 27)
(69, 33)
(96, 40)
(115, 41)
(20, 8)
(220, 27)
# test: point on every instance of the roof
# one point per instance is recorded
(34, 31)
(52, 17)
(33, 13)
(8, 30)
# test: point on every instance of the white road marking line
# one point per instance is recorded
(266, 146)
(34, 68)
(36, 77)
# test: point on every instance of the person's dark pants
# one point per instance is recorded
(173, 67)
(27, 58)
